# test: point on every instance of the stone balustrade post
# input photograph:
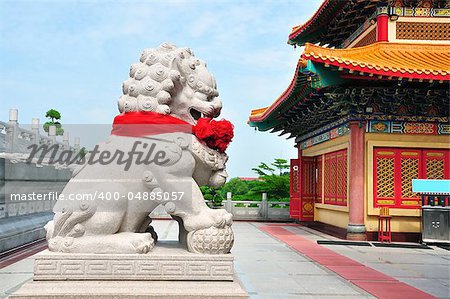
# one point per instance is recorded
(13, 129)
(13, 115)
(52, 133)
(264, 206)
(66, 140)
(76, 146)
(35, 130)
(229, 203)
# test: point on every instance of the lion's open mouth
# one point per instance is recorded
(195, 114)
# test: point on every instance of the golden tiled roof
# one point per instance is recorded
(388, 60)
(256, 112)
(415, 61)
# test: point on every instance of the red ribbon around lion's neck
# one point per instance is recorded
(215, 134)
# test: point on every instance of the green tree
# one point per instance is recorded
(281, 164)
(276, 186)
(236, 186)
(83, 152)
(53, 115)
(212, 194)
(262, 169)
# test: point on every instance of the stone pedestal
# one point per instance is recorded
(168, 271)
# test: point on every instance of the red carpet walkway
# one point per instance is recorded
(368, 279)
(14, 255)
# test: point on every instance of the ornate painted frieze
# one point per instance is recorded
(401, 127)
(419, 12)
(329, 135)
(323, 129)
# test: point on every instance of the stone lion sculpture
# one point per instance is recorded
(170, 83)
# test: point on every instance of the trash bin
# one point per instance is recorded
(435, 209)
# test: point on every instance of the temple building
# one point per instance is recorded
(368, 108)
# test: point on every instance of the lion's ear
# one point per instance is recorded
(174, 75)
(176, 64)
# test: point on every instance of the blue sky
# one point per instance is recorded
(74, 56)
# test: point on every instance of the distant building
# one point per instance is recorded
(249, 179)
(369, 110)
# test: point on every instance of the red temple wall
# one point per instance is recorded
(422, 157)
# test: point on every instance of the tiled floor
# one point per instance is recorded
(423, 269)
(270, 268)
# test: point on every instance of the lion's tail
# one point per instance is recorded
(68, 223)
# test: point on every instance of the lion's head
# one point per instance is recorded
(171, 80)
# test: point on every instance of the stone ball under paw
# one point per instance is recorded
(211, 240)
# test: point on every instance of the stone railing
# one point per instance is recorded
(14, 139)
(258, 210)
(263, 210)
(22, 219)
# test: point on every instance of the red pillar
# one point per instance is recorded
(382, 28)
(356, 229)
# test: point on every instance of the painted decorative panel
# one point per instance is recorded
(295, 194)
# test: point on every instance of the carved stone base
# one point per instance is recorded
(167, 261)
(168, 271)
(131, 289)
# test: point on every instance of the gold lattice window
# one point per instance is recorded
(423, 31)
(410, 171)
(326, 183)
(435, 164)
(385, 177)
(342, 184)
(319, 180)
(435, 169)
(395, 168)
(333, 173)
(308, 176)
(335, 178)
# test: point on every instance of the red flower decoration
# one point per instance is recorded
(216, 134)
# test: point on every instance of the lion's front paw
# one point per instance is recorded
(208, 218)
(143, 242)
(221, 218)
